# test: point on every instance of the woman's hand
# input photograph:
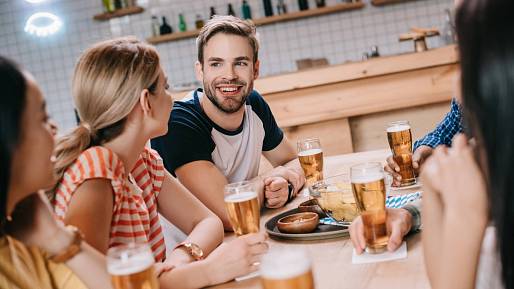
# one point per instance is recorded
(454, 176)
(236, 258)
(454, 215)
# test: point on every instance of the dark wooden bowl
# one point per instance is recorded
(299, 223)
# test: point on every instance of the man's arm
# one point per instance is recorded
(414, 208)
(207, 182)
(445, 130)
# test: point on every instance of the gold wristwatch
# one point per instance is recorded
(72, 249)
(192, 249)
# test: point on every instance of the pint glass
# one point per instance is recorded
(286, 269)
(369, 190)
(242, 203)
(399, 137)
(131, 267)
(310, 155)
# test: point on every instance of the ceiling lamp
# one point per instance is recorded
(35, 1)
(43, 24)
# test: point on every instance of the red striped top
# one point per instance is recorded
(135, 216)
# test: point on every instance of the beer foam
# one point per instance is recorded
(367, 178)
(309, 152)
(241, 197)
(127, 265)
(399, 127)
(284, 264)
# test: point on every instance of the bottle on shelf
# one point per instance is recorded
(199, 21)
(108, 6)
(281, 7)
(268, 8)
(213, 12)
(156, 31)
(182, 23)
(303, 4)
(165, 27)
(246, 11)
(130, 3)
(230, 10)
(320, 3)
(118, 4)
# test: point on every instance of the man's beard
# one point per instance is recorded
(210, 92)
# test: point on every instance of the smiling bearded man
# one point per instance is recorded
(220, 138)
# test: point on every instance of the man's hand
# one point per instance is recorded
(276, 192)
(399, 223)
(290, 175)
(418, 158)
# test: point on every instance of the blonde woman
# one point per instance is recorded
(112, 187)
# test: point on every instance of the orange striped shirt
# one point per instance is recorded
(135, 216)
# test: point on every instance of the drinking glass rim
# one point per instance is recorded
(130, 246)
(276, 257)
(233, 188)
(308, 140)
(331, 177)
(397, 123)
(115, 254)
(366, 165)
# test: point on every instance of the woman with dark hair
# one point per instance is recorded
(467, 187)
(33, 246)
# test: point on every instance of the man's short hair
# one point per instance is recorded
(228, 25)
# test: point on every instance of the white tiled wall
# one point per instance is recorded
(338, 37)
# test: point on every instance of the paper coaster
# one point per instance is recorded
(365, 257)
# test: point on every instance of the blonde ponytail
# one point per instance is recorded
(69, 147)
(107, 83)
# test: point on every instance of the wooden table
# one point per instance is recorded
(332, 259)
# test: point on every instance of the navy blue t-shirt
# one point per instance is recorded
(192, 136)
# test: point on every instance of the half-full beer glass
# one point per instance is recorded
(369, 190)
(310, 155)
(242, 203)
(286, 269)
(131, 267)
(399, 137)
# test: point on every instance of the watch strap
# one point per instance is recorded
(73, 248)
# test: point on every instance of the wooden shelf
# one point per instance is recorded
(387, 2)
(268, 20)
(119, 13)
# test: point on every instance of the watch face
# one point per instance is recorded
(196, 250)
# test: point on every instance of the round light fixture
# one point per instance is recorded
(35, 1)
(43, 24)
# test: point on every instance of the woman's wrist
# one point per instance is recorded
(210, 274)
(61, 239)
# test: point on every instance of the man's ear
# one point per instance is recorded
(256, 67)
(144, 102)
(199, 71)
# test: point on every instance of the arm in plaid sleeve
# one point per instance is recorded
(444, 132)
(414, 208)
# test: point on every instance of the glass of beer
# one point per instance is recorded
(286, 269)
(242, 203)
(310, 155)
(399, 137)
(369, 190)
(131, 267)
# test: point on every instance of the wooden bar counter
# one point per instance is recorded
(332, 259)
(348, 105)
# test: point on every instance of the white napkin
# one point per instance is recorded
(364, 258)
